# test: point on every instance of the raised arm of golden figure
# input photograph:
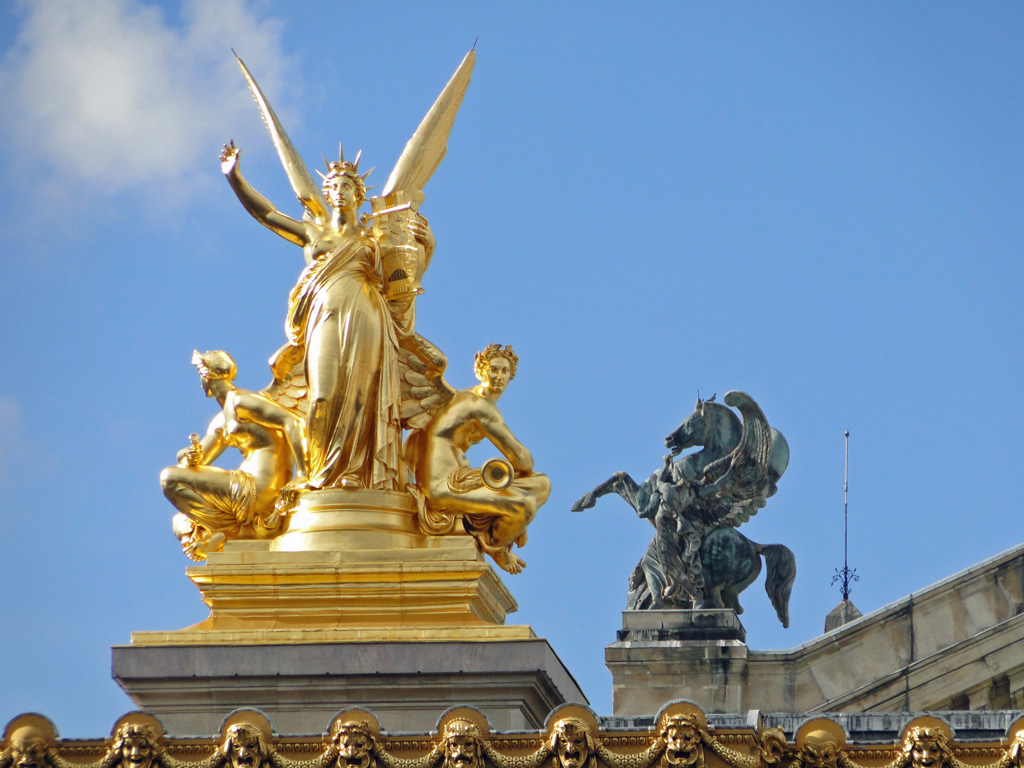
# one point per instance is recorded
(256, 204)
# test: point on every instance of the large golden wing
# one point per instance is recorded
(421, 367)
(427, 147)
(306, 189)
(289, 387)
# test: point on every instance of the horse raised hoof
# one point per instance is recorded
(586, 501)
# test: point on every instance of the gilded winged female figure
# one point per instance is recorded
(343, 325)
(346, 331)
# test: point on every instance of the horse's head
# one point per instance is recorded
(694, 429)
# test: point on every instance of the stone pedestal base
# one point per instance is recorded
(351, 606)
(301, 687)
(691, 626)
(351, 565)
(676, 654)
(258, 596)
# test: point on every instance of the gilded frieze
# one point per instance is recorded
(573, 738)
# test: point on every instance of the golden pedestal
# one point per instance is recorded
(351, 606)
(352, 566)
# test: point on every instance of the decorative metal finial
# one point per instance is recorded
(847, 575)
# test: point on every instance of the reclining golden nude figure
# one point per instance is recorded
(495, 516)
(216, 504)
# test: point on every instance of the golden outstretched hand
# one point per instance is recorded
(229, 157)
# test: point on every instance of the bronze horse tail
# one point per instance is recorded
(778, 583)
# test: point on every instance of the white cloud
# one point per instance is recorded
(121, 96)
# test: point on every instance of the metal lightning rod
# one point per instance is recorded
(847, 575)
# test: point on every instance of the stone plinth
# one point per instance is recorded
(351, 565)
(301, 687)
(351, 520)
(662, 655)
(351, 606)
(690, 626)
(261, 596)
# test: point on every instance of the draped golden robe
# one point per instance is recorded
(338, 314)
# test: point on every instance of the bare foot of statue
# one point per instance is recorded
(189, 548)
(286, 500)
(508, 561)
(198, 549)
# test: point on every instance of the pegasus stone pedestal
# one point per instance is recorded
(661, 655)
(351, 606)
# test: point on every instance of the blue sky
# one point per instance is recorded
(819, 204)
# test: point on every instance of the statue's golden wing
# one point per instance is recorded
(289, 387)
(421, 367)
(306, 189)
(427, 147)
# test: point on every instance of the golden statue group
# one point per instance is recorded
(354, 373)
